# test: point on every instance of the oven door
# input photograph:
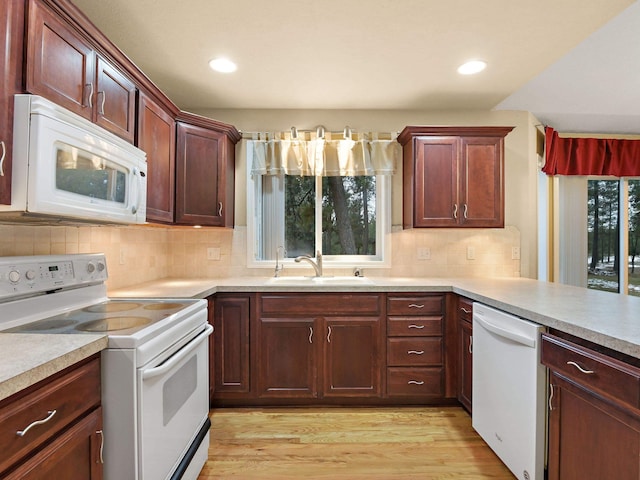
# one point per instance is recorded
(173, 403)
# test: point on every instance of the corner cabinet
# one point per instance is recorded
(11, 42)
(453, 176)
(156, 136)
(594, 411)
(205, 166)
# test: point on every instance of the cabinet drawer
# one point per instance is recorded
(330, 304)
(415, 305)
(406, 381)
(70, 396)
(414, 326)
(414, 351)
(602, 374)
(465, 309)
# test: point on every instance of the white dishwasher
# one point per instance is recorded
(509, 390)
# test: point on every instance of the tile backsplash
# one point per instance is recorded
(140, 254)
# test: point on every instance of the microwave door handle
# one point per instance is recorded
(138, 175)
(169, 364)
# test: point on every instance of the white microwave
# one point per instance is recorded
(66, 168)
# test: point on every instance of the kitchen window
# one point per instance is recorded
(598, 239)
(345, 217)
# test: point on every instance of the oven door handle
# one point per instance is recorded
(169, 364)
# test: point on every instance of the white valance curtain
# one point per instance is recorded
(362, 154)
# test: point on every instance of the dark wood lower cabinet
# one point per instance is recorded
(594, 411)
(588, 438)
(287, 358)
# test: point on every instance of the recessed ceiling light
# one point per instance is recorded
(223, 65)
(471, 67)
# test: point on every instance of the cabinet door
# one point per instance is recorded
(287, 353)
(156, 136)
(465, 366)
(588, 438)
(231, 344)
(115, 100)
(481, 182)
(11, 42)
(200, 176)
(60, 64)
(435, 177)
(74, 454)
(353, 357)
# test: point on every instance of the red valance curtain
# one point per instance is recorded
(591, 156)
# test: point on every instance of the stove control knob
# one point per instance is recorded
(14, 276)
(91, 267)
(101, 266)
(30, 274)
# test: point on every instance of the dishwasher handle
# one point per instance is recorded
(503, 332)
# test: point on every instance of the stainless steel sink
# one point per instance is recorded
(325, 280)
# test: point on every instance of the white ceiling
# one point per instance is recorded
(389, 54)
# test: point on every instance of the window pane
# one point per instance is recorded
(299, 208)
(349, 215)
(634, 237)
(603, 235)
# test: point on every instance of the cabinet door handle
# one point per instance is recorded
(455, 211)
(589, 372)
(470, 344)
(329, 334)
(50, 414)
(104, 99)
(219, 209)
(101, 433)
(550, 396)
(419, 327)
(4, 154)
(415, 382)
(415, 352)
(90, 85)
(465, 211)
(465, 310)
(310, 334)
(415, 305)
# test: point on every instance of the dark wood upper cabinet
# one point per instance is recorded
(156, 136)
(205, 171)
(11, 42)
(453, 176)
(65, 67)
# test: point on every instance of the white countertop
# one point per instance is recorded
(604, 318)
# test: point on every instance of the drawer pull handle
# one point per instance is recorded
(580, 368)
(415, 352)
(415, 382)
(101, 433)
(465, 310)
(415, 305)
(22, 433)
(420, 327)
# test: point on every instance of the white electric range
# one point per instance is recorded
(155, 382)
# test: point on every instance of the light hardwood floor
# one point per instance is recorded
(348, 443)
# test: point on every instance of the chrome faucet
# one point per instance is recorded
(316, 264)
(279, 266)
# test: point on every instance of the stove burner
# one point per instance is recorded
(162, 306)
(110, 307)
(44, 325)
(113, 323)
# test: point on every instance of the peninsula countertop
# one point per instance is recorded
(607, 319)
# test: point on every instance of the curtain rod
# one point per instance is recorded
(319, 131)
